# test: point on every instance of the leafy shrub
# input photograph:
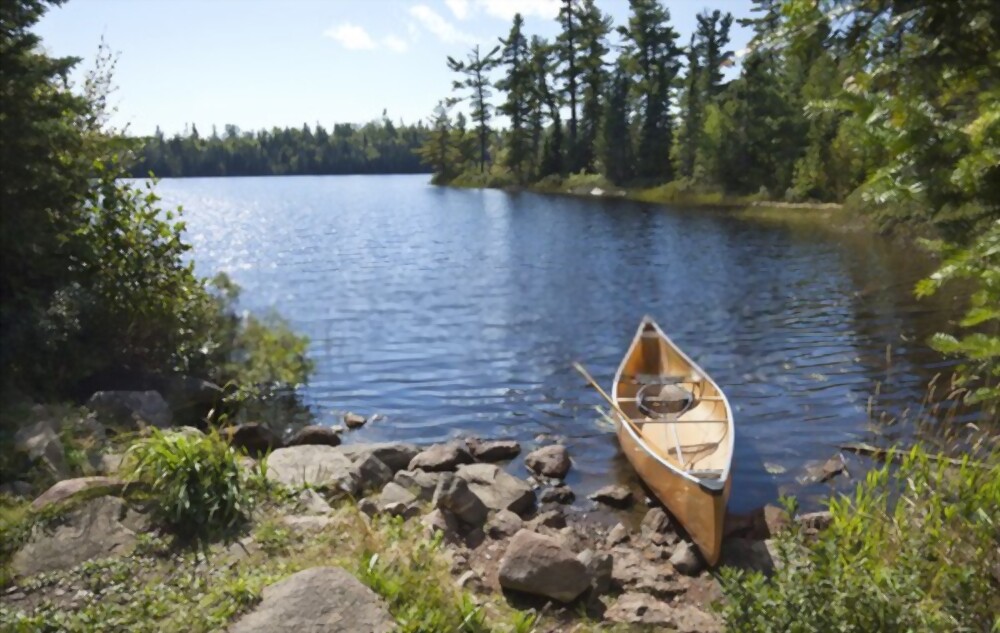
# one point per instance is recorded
(196, 482)
(980, 348)
(912, 550)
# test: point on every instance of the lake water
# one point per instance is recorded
(456, 312)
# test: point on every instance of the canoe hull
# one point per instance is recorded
(701, 512)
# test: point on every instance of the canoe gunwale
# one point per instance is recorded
(712, 486)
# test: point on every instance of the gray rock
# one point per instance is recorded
(635, 569)
(453, 494)
(253, 437)
(394, 493)
(558, 494)
(69, 488)
(614, 496)
(814, 522)
(318, 599)
(599, 566)
(419, 482)
(309, 524)
(311, 502)
(537, 564)
(686, 559)
(319, 466)
(40, 442)
(498, 489)
(550, 461)
(657, 528)
(110, 463)
(132, 410)
(618, 535)
(442, 457)
(354, 420)
(395, 455)
(315, 434)
(439, 520)
(372, 473)
(502, 524)
(644, 609)
(493, 450)
(818, 472)
(99, 528)
(554, 519)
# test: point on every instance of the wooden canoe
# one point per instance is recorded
(678, 435)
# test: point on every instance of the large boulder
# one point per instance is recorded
(395, 455)
(537, 564)
(372, 473)
(453, 494)
(441, 457)
(502, 524)
(132, 410)
(70, 488)
(498, 489)
(39, 442)
(318, 599)
(550, 461)
(493, 450)
(98, 528)
(315, 434)
(319, 466)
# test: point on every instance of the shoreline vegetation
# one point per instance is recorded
(159, 473)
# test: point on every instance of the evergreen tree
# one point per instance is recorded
(615, 146)
(567, 48)
(438, 151)
(593, 34)
(476, 70)
(685, 147)
(517, 82)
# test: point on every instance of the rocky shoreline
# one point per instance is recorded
(504, 535)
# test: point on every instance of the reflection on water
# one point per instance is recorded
(459, 312)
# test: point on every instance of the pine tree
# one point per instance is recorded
(567, 48)
(594, 29)
(438, 150)
(476, 79)
(649, 44)
(616, 146)
(517, 82)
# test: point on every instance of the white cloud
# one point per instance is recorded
(351, 37)
(440, 27)
(395, 44)
(458, 7)
(507, 8)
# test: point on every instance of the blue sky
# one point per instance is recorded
(258, 63)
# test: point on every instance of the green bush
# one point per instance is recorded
(196, 482)
(913, 549)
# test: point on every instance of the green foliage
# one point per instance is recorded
(475, 71)
(980, 348)
(377, 147)
(911, 550)
(196, 482)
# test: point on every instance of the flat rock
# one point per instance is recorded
(454, 495)
(686, 559)
(493, 450)
(633, 571)
(309, 524)
(132, 410)
(40, 442)
(825, 471)
(69, 488)
(253, 437)
(618, 534)
(549, 461)
(419, 482)
(558, 494)
(442, 457)
(537, 564)
(644, 609)
(498, 489)
(614, 496)
(318, 599)
(99, 528)
(319, 466)
(395, 455)
(315, 434)
(502, 524)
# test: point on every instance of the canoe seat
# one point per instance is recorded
(658, 379)
(707, 473)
